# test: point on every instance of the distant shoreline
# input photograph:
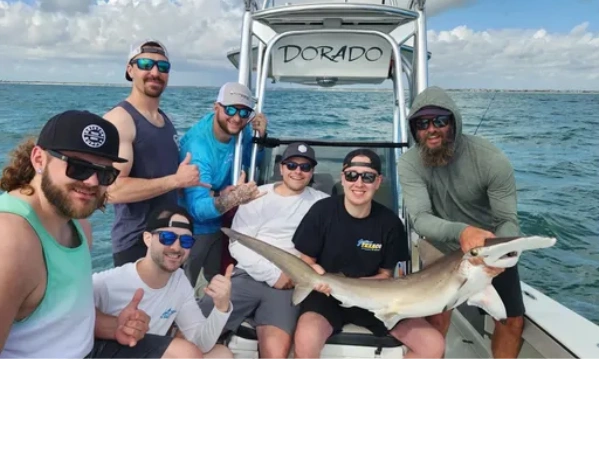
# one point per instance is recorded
(126, 85)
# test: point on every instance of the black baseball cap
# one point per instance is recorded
(375, 160)
(299, 149)
(81, 131)
(161, 217)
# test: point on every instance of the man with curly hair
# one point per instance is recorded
(46, 292)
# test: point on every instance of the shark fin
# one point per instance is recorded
(300, 292)
(489, 300)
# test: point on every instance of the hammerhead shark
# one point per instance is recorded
(444, 285)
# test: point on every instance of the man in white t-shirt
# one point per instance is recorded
(260, 292)
(167, 293)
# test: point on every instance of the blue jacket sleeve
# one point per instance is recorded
(199, 200)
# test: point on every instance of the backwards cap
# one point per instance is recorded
(162, 217)
(145, 46)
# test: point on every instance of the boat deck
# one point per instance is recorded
(458, 347)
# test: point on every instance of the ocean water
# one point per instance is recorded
(551, 140)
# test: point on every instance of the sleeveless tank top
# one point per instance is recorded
(62, 325)
(155, 155)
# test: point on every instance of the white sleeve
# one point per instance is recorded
(101, 298)
(192, 322)
(247, 221)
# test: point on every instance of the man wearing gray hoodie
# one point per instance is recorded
(459, 190)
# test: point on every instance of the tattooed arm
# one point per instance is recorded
(240, 194)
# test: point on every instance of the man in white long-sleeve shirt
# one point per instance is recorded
(260, 292)
(167, 293)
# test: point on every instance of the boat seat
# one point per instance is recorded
(323, 182)
(351, 335)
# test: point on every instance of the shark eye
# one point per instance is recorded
(474, 252)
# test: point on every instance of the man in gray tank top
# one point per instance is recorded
(149, 141)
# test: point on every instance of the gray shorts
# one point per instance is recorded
(257, 303)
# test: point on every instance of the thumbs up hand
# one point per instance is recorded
(188, 175)
(219, 289)
(132, 323)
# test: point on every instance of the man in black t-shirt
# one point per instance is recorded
(360, 238)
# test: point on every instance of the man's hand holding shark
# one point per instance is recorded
(473, 237)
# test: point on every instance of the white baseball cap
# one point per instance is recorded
(234, 93)
(145, 46)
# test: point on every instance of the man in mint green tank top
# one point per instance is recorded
(46, 293)
(459, 189)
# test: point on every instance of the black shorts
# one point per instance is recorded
(149, 347)
(507, 285)
(338, 316)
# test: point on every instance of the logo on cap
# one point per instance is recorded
(302, 148)
(94, 136)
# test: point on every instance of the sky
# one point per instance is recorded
(504, 44)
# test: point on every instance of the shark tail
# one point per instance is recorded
(302, 274)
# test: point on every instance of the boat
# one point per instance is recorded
(331, 44)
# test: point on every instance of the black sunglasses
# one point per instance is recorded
(168, 238)
(367, 177)
(82, 170)
(292, 166)
(437, 121)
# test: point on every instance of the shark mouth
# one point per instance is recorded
(510, 255)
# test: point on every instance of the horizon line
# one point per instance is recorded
(348, 88)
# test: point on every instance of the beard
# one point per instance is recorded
(66, 207)
(440, 155)
(152, 91)
(158, 258)
(224, 125)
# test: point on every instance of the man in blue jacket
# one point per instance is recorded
(210, 144)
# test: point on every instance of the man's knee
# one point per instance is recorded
(182, 349)
(422, 339)
(310, 334)
(435, 345)
(274, 342)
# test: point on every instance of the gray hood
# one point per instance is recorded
(435, 96)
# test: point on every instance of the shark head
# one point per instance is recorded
(476, 284)
(505, 252)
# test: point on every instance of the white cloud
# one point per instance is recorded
(85, 40)
(516, 58)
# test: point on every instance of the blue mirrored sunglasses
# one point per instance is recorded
(164, 67)
(244, 113)
(168, 239)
